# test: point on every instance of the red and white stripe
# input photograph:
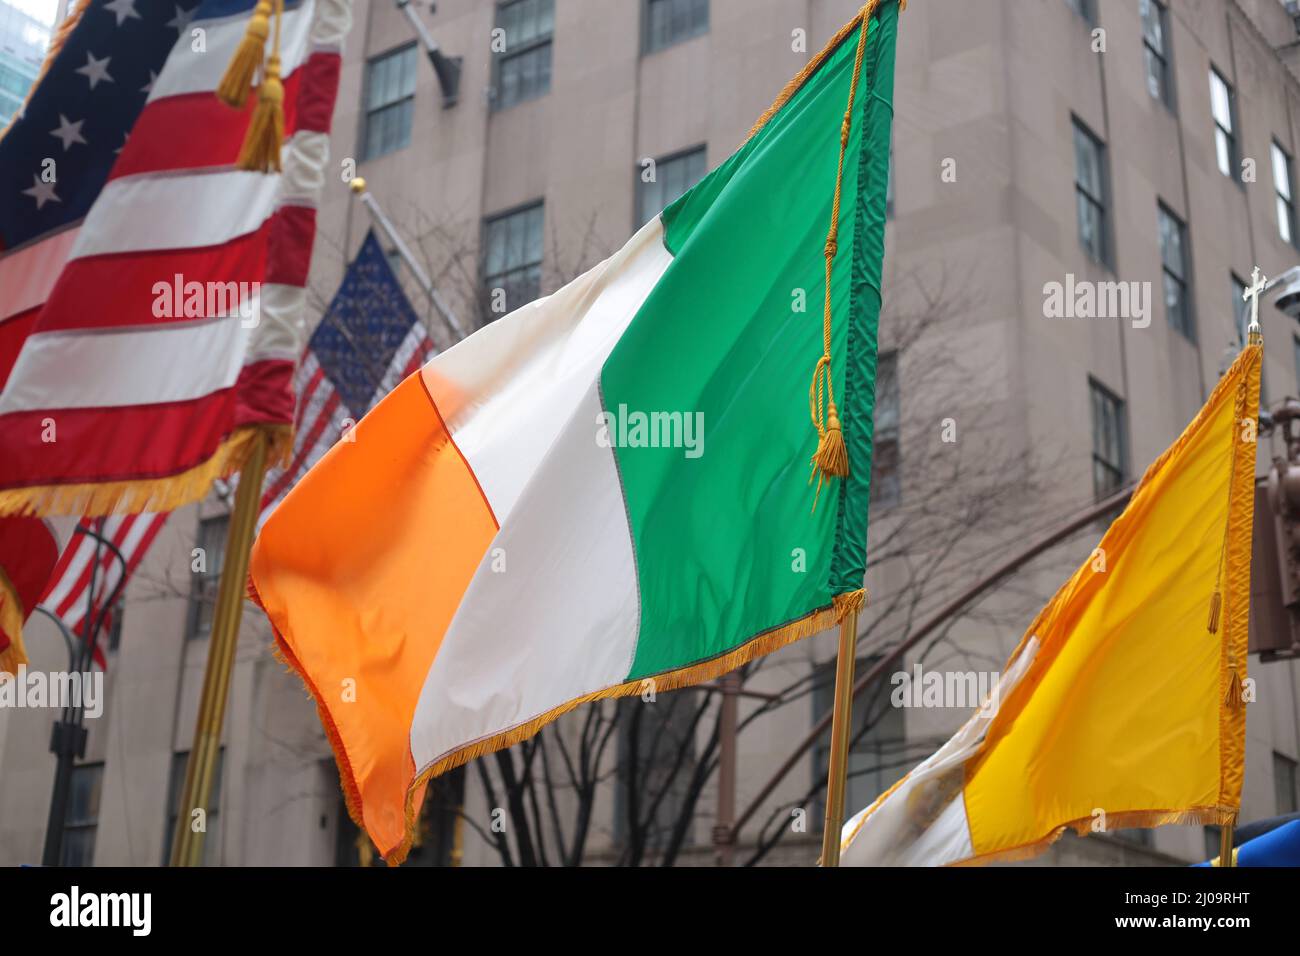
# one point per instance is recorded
(68, 594)
(174, 205)
(137, 396)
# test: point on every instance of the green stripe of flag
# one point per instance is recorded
(726, 544)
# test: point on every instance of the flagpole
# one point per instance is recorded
(385, 225)
(841, 731)
(1225, 843)
(200, 768)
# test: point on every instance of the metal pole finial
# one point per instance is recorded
(1258, 284)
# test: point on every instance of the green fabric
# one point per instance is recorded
(848, 567)
(717, 538)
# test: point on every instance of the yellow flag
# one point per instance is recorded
(1122, 706)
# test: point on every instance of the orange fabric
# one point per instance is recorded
(373, 550)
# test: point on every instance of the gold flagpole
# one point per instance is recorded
(841, 731)
(187, 844)
(1225, 843)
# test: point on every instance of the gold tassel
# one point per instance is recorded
(261, 149)
(238, 79)
(1233, 697)
(1216, 604)
(832, 458)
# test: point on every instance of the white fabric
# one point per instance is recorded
(521, 399)
(152, 364)
(188, 210)
(568, 581)
(526, 373)
(278, 332)
(889, 836)
(188, 70)
(28, 274)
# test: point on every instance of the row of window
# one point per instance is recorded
(513, 241)
(1091, 200)
(1223, 113)
(521, 65)
(81, 822)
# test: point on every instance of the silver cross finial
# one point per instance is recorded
(1257, 285)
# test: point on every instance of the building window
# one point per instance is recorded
(886, 484)
(1240, 308)
(1083, 8)
(206, 571)
(1173, 261)
(1090, 192)
(81, 820)
(1284, 784)
(212, 819)
(1284, 195)
(512, 261)
(878, 748)
(666, 180)
(1154, 32)
(1109, 440)
(1224, 109)
(672, 21)
(1213, 840)
(390, 102)
(523, 64)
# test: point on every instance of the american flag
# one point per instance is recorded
(368, 341)
(76, 120)
(119, 177)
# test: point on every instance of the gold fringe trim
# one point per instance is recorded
(11, 623)
(849, 601)
(94, 499)
(819, 620)
(1129, 819)
(1235, 578)
(812, 66)
(347, 779)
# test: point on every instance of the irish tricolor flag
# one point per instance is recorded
(609, 486)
